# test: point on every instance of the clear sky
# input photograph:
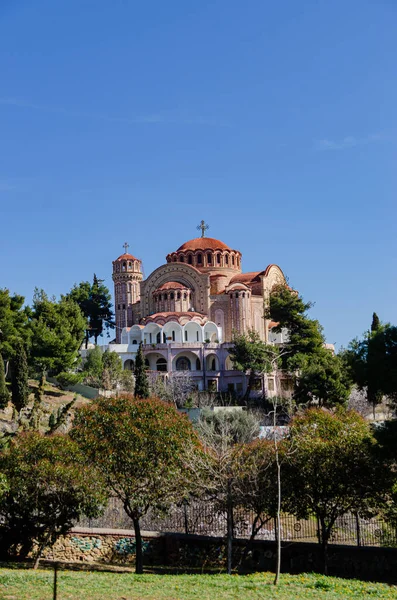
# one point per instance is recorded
(123, 120)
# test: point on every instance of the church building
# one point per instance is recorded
(186, 311)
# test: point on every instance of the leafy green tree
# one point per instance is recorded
(252, 356)
(57, 333)
(332, 470)
(13, 323)
(94, 302)
(320, 375)
(138, 446)
(112, 370)
(4, 393)
(289, 311)
(141, 378)
(324, 379)
(93, 367)
(49, 488)
(376, 324)
(372, 362)
(19, 377)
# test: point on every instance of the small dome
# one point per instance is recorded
(203, 243)
(126, 256)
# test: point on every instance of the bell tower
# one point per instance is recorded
(127, 277)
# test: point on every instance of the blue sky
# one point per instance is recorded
(273, 121)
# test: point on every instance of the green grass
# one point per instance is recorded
(24, 584)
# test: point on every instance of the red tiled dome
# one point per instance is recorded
(126, 257)
(204, 243)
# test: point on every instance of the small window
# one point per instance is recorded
(197, 335)
(199, 259)
(233, 260)
(218, 259)
(124, 266)
(164, 338)
(118, 307)
(185, 336)
(172, 296)
(198, 364)
(190, 259)
(185, 296)
(236, 294)
(178, 296)
(165, 297)
(227, 259)
(134, 342)
(173, 335)
(129, 265)
(123, 306)
(209, 259)
(181, 259)
(213, 365)
(158, 338)
(150, 338)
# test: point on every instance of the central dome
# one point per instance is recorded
(203, 243)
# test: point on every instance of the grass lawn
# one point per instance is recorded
(20, 584)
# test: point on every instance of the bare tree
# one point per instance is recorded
(216, 470)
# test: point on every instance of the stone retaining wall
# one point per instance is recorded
(181, 551)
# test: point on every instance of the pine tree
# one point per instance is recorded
(375, 325)
(4, 393)
(141, 380)
(19, 379)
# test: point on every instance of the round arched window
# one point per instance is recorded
(161, 364)
(183, 364)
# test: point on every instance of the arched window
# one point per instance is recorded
(185, 335)
(164, 338)
(209, 259)
(173, 335)
(178, 296)
(236, 294)
(198, 364)
(199, 259)
(165, 296)
(183, 364)
(213, 365)
(218, 259)
(129, 265)
(227, 259)
(124, 266)
(190, 259)
(134, 342)
(158, 338)
(161, 364)
(197, 336)
(185, 296)
(181, 259)
(233, 260)
(172, 295)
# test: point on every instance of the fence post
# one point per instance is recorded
(358, 529)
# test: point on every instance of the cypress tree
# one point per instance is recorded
(19, 378)
(4, 393)
(141, 380)
(375, 322)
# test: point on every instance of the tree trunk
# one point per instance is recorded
(278, 528)
(324, 543)
(229, 532)
(138, 545)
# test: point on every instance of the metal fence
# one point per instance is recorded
(203, 518)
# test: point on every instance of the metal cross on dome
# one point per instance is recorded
(203, 226)
(126, 246)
